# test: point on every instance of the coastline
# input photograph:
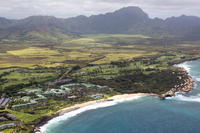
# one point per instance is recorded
(113, 98)
(188, 86)
(75, 107)
(184, 60)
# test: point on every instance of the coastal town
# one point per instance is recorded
(38, 98)
(97, 66)
(34, 98)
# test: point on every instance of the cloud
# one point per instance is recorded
(70, 8)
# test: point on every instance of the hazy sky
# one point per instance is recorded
(69, 8)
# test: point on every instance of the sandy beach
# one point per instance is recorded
(90, 103)
(113, 98)
(123, 97)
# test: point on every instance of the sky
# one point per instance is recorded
(17, 9)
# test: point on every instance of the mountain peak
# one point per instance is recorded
(132, 10)
(4, 22)
(131, 20)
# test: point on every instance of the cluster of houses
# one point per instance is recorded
(61, 93)
(7, 126)
(28, 100)
(31, 97)
(4, 102)
(5, 118)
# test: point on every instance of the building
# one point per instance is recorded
(4, 102)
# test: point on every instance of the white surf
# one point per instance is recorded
(71, 114)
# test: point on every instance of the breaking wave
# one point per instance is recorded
(182, 97)
(194, 95)
(71, 114)
(185, 65)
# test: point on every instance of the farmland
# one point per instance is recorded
(22, 63)
(122, 63)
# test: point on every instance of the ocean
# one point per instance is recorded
(141, 114)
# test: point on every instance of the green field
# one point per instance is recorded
(98, 50)
(125, 63)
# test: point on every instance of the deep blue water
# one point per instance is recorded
(180, 114)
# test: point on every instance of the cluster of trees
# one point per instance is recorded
(157, 82)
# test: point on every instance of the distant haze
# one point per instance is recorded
(17, 9)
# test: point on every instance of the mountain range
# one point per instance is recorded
(128, 20)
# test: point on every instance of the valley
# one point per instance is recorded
(48, 63)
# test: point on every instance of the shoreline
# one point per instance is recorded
(113, 98)
(61, 112)
(188, 87)
(185, 87)
(183, 60)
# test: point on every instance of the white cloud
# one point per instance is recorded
(70, 8)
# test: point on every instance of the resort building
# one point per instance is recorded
(4, 102)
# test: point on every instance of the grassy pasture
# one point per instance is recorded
(31, 57)
(122, 57)
(98, 50)
(33, 51)
(71, 52)
(101, 49)
(116, 60)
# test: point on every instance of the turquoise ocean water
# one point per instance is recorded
(180, 114)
